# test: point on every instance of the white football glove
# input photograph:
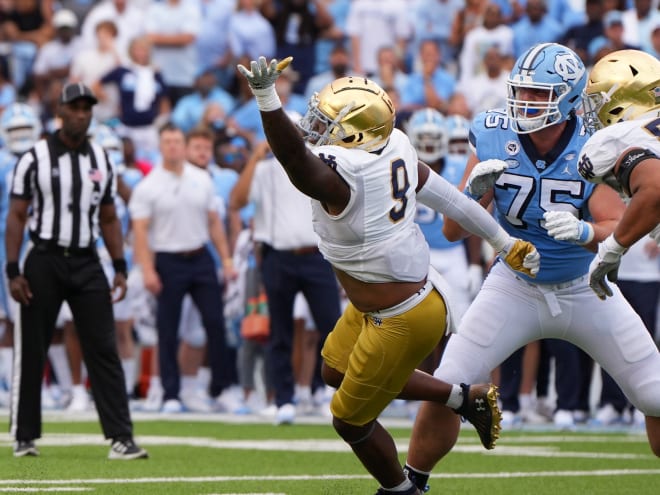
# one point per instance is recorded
(263, 74)
(261, 77)
(483, 177)
(522, 256)
(605, 263)
(475, 277)
(564, 226)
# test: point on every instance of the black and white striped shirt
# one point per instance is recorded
(66, 188)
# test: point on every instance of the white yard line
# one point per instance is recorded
(220, 479)
(14, 489)
(326, 445)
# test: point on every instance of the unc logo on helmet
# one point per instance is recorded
(568, 67)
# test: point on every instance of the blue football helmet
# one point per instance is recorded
(20, 128)
(459, 134)
(427, 131)
(549, 67)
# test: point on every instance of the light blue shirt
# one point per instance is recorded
(215, 19)
(189, 110)
(413, 93)
(178, 65)
(247, 116)
(526, 34)
(251, 35)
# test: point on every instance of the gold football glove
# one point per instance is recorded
(522, 256)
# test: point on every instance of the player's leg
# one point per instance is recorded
(502, 318)
(375, 371)
(617, 339)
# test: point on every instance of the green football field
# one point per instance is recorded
(213, 455)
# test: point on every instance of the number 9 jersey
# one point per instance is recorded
(375, 239)
(534, 184)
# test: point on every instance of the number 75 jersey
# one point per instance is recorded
(534, 184)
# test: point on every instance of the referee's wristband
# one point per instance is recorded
(12, 270)
(120, 266)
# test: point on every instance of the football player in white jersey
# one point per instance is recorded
(525, 163)
(622, 99)
(364, 178)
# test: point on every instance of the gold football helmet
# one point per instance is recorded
(351, 112)
(621, 86)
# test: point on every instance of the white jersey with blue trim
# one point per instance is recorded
(375, 239)
(431, 221)
(531, 186)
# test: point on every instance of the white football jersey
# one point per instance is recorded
(375, 238)
(602, 151)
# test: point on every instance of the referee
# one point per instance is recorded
(63, 188)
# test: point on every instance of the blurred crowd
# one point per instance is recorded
(152, 62)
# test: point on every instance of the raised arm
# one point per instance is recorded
(307, 171)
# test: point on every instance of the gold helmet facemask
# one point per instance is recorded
(621, 86)
(351, 112)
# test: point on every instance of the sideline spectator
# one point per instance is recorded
(431, 85)
(172, 26)
(91, 64)
(174, 216)
(54, 57)
(142, 98)
(127, 17)
(298, 25)
(372, 24)
(290, 263)
(537, 26)
(189, 110)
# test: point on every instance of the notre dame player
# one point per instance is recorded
(622, 99)
(364, 177)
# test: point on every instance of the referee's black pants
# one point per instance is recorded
(56, 276)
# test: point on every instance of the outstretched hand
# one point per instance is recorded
(262, 74)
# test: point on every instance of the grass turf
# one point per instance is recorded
(217, 457)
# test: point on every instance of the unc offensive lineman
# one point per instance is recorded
(364, 177)
(525, 161)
